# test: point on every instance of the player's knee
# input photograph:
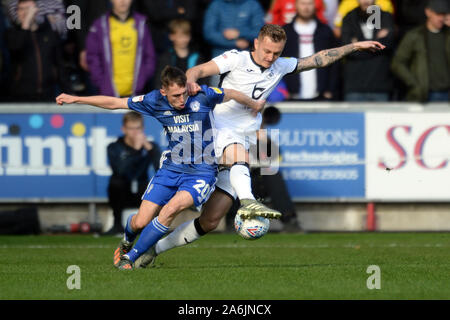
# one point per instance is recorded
(209, 224)
(138, 223)
(168, 214)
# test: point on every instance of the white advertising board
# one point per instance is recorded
(407, 156)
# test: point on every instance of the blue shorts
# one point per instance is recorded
(166, 183)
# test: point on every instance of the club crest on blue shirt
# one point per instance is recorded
(195, 106)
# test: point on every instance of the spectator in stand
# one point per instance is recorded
(348, 5)
(50, 11)
(182, 53)
(306, 35)
(422, 60)
(447, 20)
(367, 76)
(409, 14)
(161, 12)
(130, 158)
(232, 24)
(36, 59)
(120, 52)
(283, 12)
(330, 11)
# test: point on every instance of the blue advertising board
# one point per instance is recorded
(63, 156)
(321, 154)
(60, 156)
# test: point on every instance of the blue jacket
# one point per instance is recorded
(245, 15)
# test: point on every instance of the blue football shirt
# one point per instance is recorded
(189, 131)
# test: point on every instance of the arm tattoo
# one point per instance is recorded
(324, 58)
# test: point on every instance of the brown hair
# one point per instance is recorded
(182, 25)
(172, 75)
(132, 117)
(273, 31)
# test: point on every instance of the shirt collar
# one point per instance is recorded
(117, 17)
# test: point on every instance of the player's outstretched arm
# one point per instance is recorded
(104, 102)
(326, 57)
(203, 70)
(255, 105)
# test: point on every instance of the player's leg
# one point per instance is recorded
(136, 222)
(158, 193)
(215, 207)
(213, 211)
(157, 228)
(236, 157)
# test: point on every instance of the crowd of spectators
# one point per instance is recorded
(118, 47)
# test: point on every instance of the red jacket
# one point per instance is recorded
(283, 11)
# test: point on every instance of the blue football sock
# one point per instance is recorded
(130, 235)
(149, 236)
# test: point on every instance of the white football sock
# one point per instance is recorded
(241, 182)
(182, 235)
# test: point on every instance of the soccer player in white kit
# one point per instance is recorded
(255, 73)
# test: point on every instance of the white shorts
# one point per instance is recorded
(225, 137)
(223, 182)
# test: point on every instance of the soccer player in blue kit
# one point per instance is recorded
(188, 172)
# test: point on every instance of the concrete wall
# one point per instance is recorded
(312, 217)
(389, 217)
(66, 214)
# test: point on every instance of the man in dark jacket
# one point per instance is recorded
(367, 77)
(36, 59)
(306, 35)
(422, 60)
(129, 157)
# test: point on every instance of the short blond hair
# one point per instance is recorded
(273, 31)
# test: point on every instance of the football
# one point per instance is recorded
(251, 229)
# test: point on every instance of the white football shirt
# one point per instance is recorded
(240, 72)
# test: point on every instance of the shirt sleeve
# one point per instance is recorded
(142, 104)
(289, 65)
(213, 95)
(227, 61)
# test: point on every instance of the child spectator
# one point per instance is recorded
(182, 54)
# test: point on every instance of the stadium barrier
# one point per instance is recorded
(330, 152)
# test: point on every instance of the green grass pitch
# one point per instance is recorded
(224, 266)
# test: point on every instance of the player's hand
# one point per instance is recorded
(258, 105)
(372, 46)
(65, 98)
(193, 88)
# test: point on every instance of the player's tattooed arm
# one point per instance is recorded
(255, 105)
(326, 57)
(104, 102)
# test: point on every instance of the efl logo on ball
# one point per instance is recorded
(251, 229)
